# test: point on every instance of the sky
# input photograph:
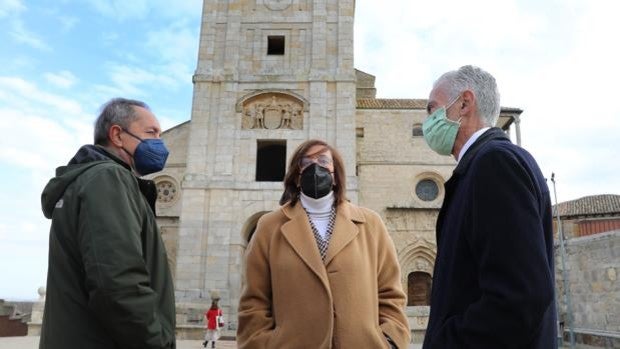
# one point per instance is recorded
(558, 60)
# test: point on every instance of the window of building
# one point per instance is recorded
(275, 45)
(417, 130)
(418, 289)
(270, 160)
(427, 190)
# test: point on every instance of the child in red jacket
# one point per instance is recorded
(213, 322)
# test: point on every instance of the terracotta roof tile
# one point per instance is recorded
(384, 103)
(392, 103)
(590, 205)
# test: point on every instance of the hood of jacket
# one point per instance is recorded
(86, 157)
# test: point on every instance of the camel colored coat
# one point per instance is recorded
(293, 299)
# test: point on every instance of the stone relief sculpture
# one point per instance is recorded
(255, 114)
(272, 111)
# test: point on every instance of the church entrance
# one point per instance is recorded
(418, 288)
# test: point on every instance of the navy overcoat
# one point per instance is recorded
(493, 282)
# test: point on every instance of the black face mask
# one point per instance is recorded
(316, 181)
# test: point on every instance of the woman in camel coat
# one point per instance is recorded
(320, 271)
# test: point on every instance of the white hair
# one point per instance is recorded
(481, 83)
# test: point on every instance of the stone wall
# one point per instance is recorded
(592, 265)
(391, 161)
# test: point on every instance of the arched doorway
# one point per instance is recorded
(416, 261)
(419, 286)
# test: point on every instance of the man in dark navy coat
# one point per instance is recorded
(493, 283)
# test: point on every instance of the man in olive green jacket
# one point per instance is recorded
(109, 284)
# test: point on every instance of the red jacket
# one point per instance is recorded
(211, 316)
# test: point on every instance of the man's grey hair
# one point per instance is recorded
(117, 111)
(481, 83)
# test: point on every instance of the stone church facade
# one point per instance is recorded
(270, 75)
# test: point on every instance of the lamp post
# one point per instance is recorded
(569, 308)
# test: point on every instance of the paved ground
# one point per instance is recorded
(33, 343)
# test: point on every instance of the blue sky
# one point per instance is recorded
(61, 59)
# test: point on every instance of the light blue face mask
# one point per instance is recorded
(439, 131)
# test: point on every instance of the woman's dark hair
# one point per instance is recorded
(291, 179)
(214, 305)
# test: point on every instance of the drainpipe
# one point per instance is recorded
(569, 308)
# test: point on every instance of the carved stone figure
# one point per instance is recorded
(272, 111)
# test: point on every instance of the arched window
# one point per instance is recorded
(419, 288)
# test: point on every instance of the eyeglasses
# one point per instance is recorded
(321, 160)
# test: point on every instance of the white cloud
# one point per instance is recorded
(68, 22)
(23, 94)
(186, 8)
(170, 66)
(174, 42)
(408, 48)
(166, 122)
(10, 7)
(139, 9)
(121, 10)
(171, 48)
(132, 81)
(109, 37)
(62, 79)
(24, 266)
(24, 36)
(39, 142)
(45, 128)
(569, 122)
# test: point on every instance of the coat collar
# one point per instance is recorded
(298, 233)
(490, 134)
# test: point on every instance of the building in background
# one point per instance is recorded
(589, 215)
(14, 317)
(270, 75)
(591, 228)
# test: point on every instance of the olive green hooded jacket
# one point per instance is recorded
(108, 283)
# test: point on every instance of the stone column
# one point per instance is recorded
(36, 317)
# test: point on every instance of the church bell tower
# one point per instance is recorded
(270, 75)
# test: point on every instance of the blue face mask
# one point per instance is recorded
(150, 155)
(439, 131)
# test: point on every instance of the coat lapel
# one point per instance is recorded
(345, 229)
(491, 134)
(299, 235)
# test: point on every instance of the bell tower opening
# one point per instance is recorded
(270, 160)
(275, 45)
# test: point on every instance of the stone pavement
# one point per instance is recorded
(33, 343)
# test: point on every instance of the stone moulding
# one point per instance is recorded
(418, 256)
